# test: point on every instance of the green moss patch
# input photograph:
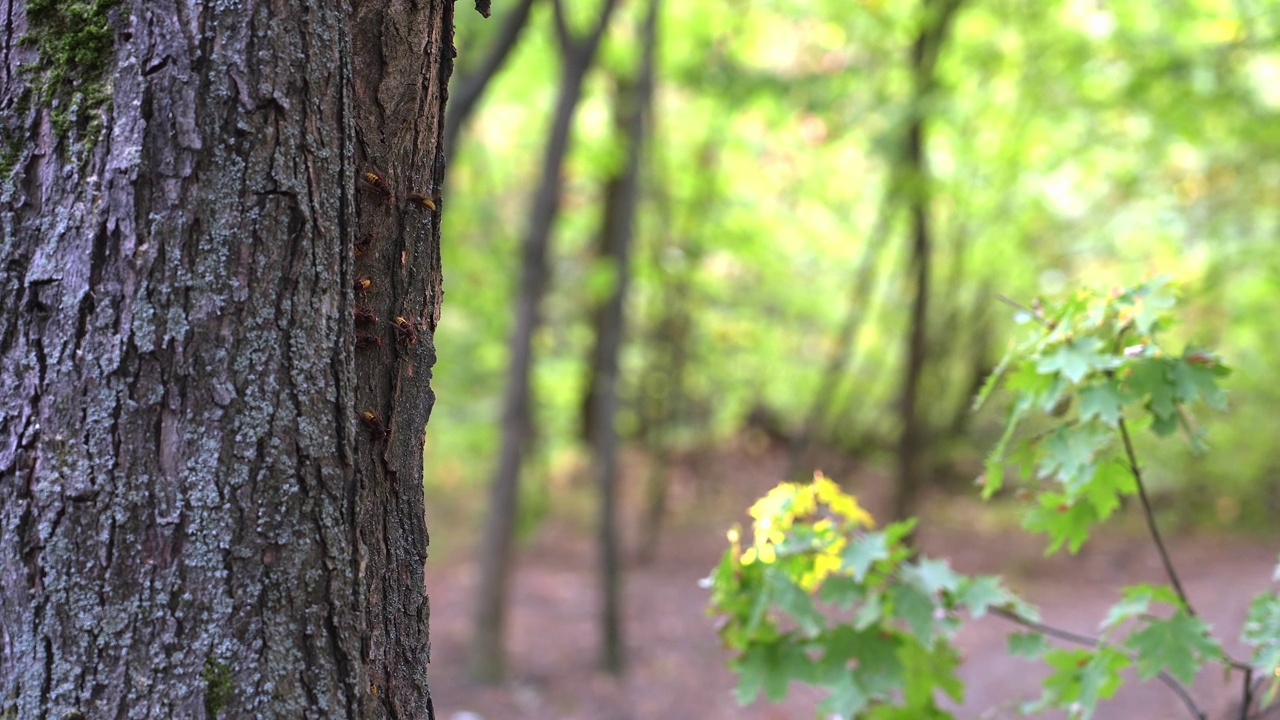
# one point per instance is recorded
(217, 686)
(74, 39)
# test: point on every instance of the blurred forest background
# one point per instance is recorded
(808, 213)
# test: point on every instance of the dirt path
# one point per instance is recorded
(676, 666)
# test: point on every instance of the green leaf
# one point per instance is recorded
(1164, 426)
(864, 552)
(846, 700)
(752, 668)
(1032, 388)
(722, 581)
(761, 605)
(915, 607)
(1151, 301)
(870, 655)
(893, 712)
(1076, 359)
(1027, 644)
(1081, 678)
(992, 478)
(1022, 608)
(927, 669)
(770, 666)
(981, 592)
(1062, 521)
(794, 601)
(1179, 644)
(1101, 677)
(841, 591)
(879, 665)
(933, 576)
(894, 532)
(1148, 379)
(1261, 631)
(1069, 454)
(994, 466)
(1194, 380)
(1102, 400)
(1111, 480)
(870, 613)
(992, 380)
(1136, 600)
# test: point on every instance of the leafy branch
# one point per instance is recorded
(820, 596)
(1081, 639)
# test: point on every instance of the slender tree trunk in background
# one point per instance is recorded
(846, 338)
(619, 211)
(662, 405)
(487, 654)
(663, 388)
(469, 87)
(618, 228)
(192, 521)
(912, 443)
(973, 352)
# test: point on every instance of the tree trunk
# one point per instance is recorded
(194, 522)
(469, 87)
(403, 59)
(847, 338)
(487, 663)
(912, 443)
(617, 230)
(663, 394)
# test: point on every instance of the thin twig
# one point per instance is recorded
(563, 36)
(1151, 519)
(1247, 700)
(1258, 683)
(1019, 306)
(1081, 639)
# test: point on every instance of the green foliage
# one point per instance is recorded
(821, 597)
(1179, 644)
(1092, 361)
(1079, 679)
(1068, 141)
(1262, 633)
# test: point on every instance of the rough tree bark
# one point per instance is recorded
(194, 521)
(403, 58)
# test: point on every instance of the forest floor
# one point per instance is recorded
(675, 665)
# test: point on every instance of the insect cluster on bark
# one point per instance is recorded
(366, 320)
